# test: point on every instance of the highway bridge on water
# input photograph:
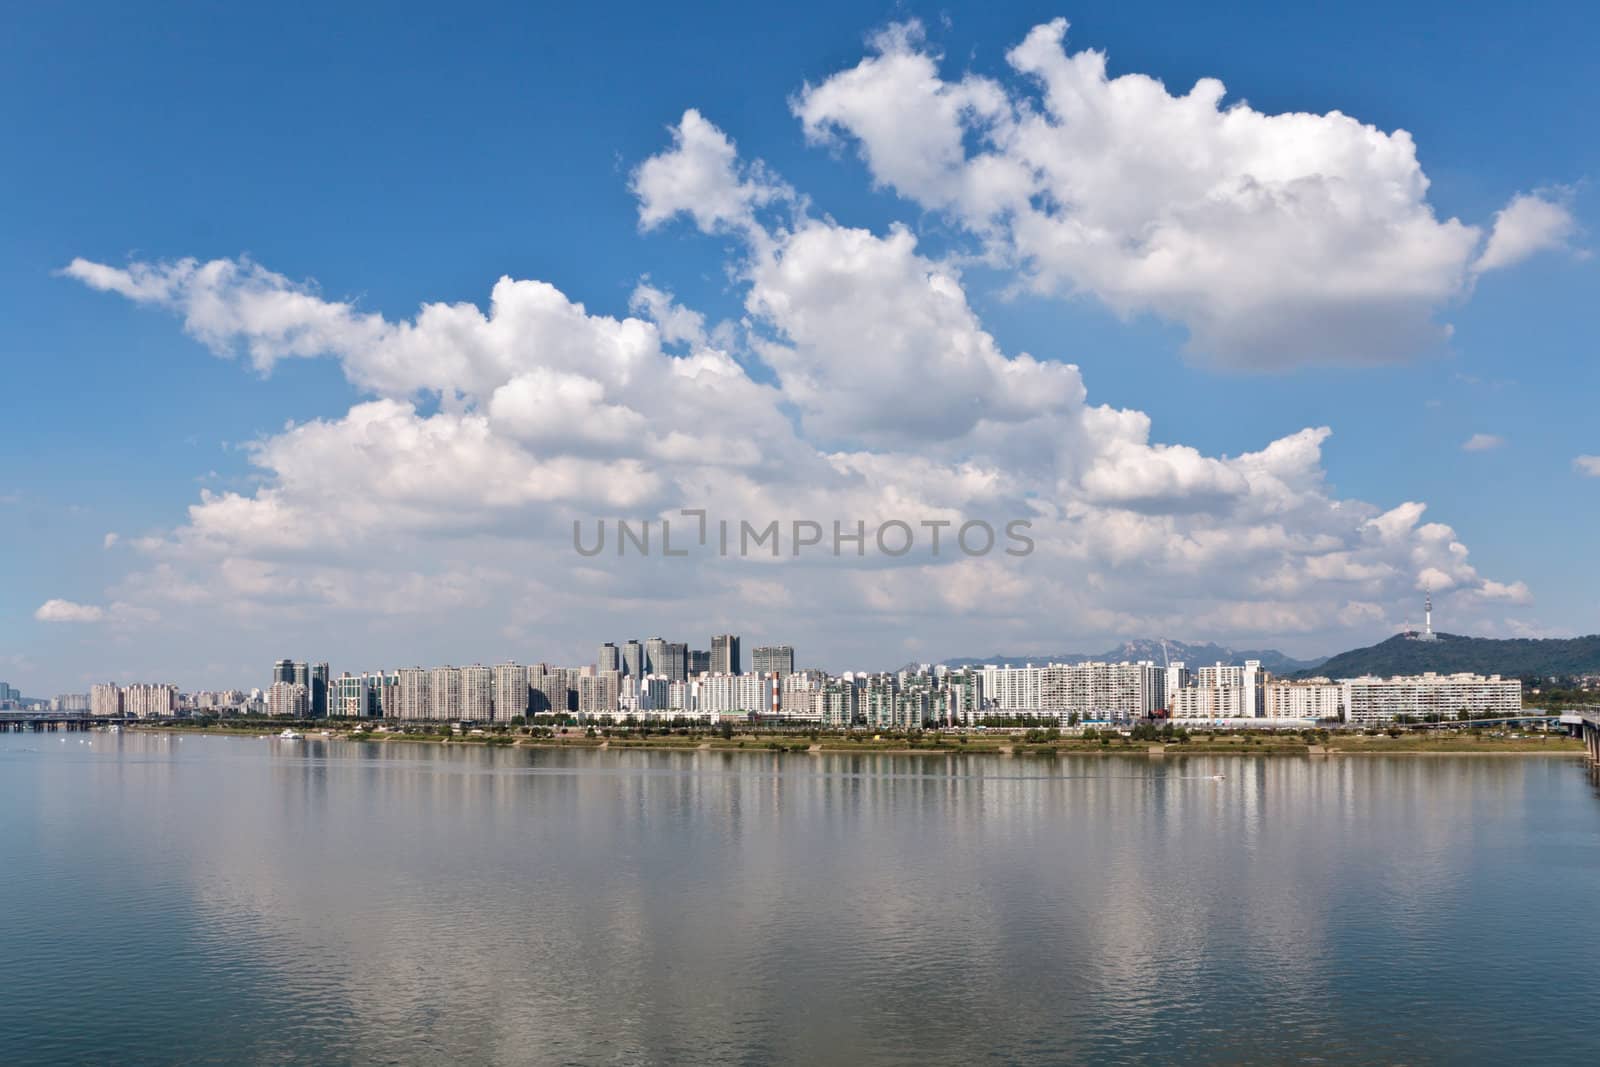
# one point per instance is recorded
(55, 720)
(1585, 723)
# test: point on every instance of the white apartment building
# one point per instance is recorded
(1176, 676)
(1013, 690)
(477, 693)
(289, 700)
(1101, 690)
(1249, 682)
(145, 701)
(741, 694)
(1315, 698)
(758, 693)
(1377, 700)
(510, 691)
(599, 693)
(1089, 690)
(444, 693)
(1208, 702)
(412, 695)
(797, 694)
(105, 700)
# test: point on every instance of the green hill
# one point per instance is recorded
(1513, 657)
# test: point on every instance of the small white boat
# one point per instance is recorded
(291, 735)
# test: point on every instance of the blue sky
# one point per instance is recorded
(403, 154)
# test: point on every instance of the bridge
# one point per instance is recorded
(1585, 722)
(55, 720)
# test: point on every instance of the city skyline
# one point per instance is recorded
(662, 680)
(1268, 388)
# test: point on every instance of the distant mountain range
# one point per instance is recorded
(1192, 655)
(1515, 657)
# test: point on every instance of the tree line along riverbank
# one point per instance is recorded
(1143, 741)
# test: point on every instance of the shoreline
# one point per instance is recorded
(1564, 748)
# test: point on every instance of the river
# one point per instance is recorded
(192, 899)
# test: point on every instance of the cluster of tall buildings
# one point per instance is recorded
(298, 690)
(657, 679)
(139, 700)
(655, 675)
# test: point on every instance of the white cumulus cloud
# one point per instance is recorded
(433, 518)
(1275, 239)
(1531, 223)
(68, 611)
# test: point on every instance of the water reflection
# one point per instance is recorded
(332, 901)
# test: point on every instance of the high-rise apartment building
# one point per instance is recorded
(557, 691)
(773, 659)
(144, 701)
(725, 654)
(1315, 698)
(963, 696)
(444, 693)
(414, 691)
(655, 656)
(1375, 700)
(510, 692)
(283, 671)
(798, 692)
(105, 700)
(352, 696)
(287, 700)
(599, 693)
(837, 703)
(633, 659)
(1249, 679)
(477, 693)
(609, 658)
(1177, 677)
(677, 661)
(699, 661)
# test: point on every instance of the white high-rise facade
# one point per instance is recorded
(414, 691)
(510, 691)
(1377, 700)
(444, 693)
(1315, 698)
(105, 700)
(288, 700)
(477, 693)
(1248, 680)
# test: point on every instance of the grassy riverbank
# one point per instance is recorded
(944, 744)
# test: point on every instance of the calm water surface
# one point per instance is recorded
(222, 900)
